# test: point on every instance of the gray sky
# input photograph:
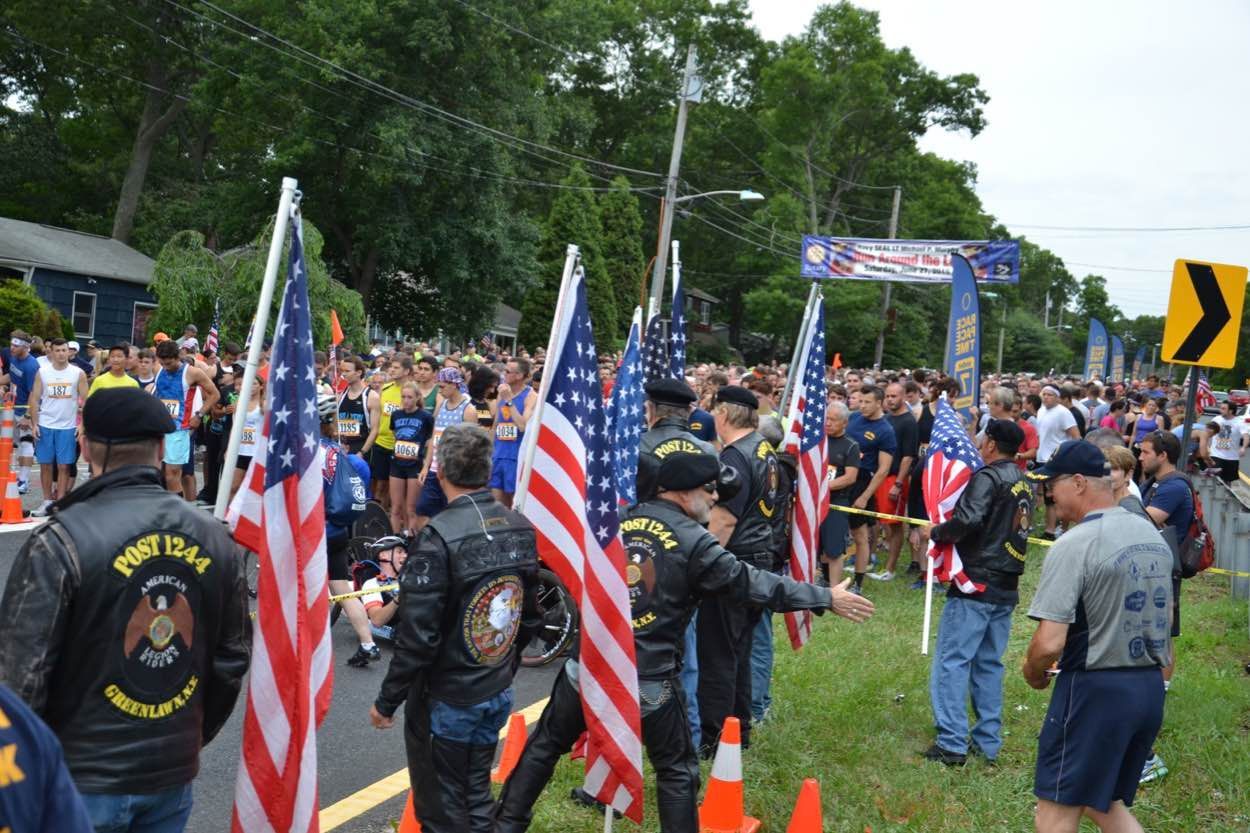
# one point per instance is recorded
(1101, 114)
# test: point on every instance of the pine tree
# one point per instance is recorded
(574, 218)
(622, 248)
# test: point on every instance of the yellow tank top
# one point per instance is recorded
(391, 400)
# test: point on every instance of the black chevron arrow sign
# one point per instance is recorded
(1215, 314)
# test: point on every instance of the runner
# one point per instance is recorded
(175, 386)
(20, 368)
(115, 376)
(55, 407)
(359, 409)
(452, 410)
(514, 395)
(251, 436)
(413, 426)
(390, 399)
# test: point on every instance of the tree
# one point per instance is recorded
(21, 308)
(574, 219)
(622, 249)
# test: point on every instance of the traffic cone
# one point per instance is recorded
(12, 511)
(513, 745)
(722, 810)
(409, 823)
(6, 440)
(807, 817)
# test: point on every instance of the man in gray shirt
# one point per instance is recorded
(1103, 608)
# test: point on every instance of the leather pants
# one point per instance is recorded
(450, 781)
(665, 734)
(722, 630)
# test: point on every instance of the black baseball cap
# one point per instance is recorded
(1074, 457)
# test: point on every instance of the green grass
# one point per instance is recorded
(838, 716)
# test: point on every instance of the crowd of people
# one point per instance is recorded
(436, 437)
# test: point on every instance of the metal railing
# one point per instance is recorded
(1228, 517)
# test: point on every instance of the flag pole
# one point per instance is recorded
(243, 403)
(798, 343)
(607, 818)
(928, 606)
(531, 437)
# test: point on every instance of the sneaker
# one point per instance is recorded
(913, 568)
(944, 756)
(375, 653)
(1153, 770)
(854, 589)
(43, 511)
(361, 658)
(884, 575)
(918, 584)
(23, 486)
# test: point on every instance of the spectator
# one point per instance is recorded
(1055, 423)
(1095, 606)
(1227, 442)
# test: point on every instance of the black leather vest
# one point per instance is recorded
(668, 428)
(752, 538)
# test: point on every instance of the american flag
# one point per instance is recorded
(807, 442)
(626, 417)
(677, 330)
(210, 341)
(655, 359)
(1204, 398)
(572, 503)
(950, 465)
(280, 515)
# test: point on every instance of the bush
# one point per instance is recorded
(21, 308)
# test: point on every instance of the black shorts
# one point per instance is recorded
(243, 461)
(835, 535)
(380, 463)
(915, 501)
(1097, 735)
(336, 559)
(853, 520)
(1230, 470)
(405, 471)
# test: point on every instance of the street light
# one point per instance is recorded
(666, 234)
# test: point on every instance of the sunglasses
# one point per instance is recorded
(710, 488)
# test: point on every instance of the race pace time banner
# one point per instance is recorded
(916, 261)
(963, 337)
(1096, 348)
(1116, 373)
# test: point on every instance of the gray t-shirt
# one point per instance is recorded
(1110, 579)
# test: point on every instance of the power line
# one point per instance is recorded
(1134, 229)
(756, 244)
(1117, 268)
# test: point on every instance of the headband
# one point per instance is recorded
(1052, 389)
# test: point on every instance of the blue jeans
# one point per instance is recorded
(690, 680)
(477, 725)
(762, 666)
(163, 812)
(972, 637)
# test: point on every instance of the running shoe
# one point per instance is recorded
(44, 510)
(884, 575)
(1153, 770)
(23, 487)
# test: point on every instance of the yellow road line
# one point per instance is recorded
(362, 801)
(1245, 477)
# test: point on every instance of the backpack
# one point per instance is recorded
(345, 495)
(1197, 547)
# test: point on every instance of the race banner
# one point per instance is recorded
(963, 337)
(915, 261)
(1096, 351)
(1137, 361)
(1116, 374)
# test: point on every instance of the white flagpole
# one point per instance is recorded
(607, 818)
(799, 342)
(928, 606)
(243, 403)
(553, 348)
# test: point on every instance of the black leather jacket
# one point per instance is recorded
(468, 603)
(752, 537)
(666, 428)
(990, 523)
(125, 626)
(671, 562)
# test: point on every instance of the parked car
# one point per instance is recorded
(1239, 398)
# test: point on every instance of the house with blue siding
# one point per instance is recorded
(97, 283)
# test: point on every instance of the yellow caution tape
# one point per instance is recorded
(1223, 572)
(850, 510)
(385, 588)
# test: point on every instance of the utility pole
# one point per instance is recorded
(670, 189)
(885, 296)
(1046, 312)
(1002, 331)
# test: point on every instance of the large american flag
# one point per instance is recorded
(210, 341)
(951, 462)
(655, 358)
(807, 442)
(625, 414)
(280, 514)
(572, 502)
(677, 329)
(1203, 397)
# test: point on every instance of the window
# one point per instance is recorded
(705, 312)
(139, 327)
(83, 314)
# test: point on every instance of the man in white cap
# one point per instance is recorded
(1055, 424)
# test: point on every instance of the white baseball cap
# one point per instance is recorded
(73, 345)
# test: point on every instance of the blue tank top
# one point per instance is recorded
(173, 392)
(1143, 427)
(446, 417)
(507, 434)
(412, 430)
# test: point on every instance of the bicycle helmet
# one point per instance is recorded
(327, 406)
(386, 542)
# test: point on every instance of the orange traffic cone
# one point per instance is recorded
(513, 745)
(409, 823)
(6, 439)
(722, 810)
(807, 817)
(12, 511)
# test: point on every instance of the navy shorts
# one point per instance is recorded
(1097, 736)
(432, 500)
(835, 535)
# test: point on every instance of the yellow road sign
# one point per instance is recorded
(1204, 314)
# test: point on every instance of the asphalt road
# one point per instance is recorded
(351, 753)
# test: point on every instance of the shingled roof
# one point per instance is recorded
(33, 244)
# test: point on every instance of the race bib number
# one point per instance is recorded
(389, 408)
(1223, 443)
(506, 432)
(60, 390)
(349, 427)
(249, 435)
(174, 406)
(407, 450)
